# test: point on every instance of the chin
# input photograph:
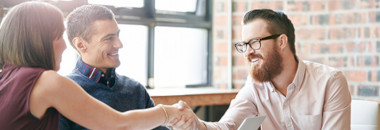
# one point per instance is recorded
(56, 68)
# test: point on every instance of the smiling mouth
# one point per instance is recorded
(254, 60)
(114, 54)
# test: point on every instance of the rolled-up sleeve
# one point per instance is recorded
(337, 107)
(240, 108)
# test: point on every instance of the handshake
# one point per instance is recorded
(181, 116)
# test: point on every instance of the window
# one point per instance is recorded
(166, 44)
(134, 52)
(69, 58)
(118, 3)
(185, 49)
(180, 5)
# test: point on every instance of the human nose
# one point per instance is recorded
(249, 50)
(118, 43)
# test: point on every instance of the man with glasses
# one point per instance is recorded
(293, 94)
(94, 33)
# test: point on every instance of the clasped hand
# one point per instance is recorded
(181, 116)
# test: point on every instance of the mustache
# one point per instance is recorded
(253, 56)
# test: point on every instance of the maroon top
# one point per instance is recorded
(16, 84)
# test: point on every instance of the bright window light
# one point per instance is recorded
(176, 5)
(69, 58)
(119, 3)
(133, 55)
(180, 56)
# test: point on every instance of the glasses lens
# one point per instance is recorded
(240, 47)
(255, 44)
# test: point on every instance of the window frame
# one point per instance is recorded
(148, 16)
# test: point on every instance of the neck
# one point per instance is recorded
(286, 77)
(104, 70)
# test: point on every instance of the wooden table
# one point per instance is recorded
(193, 96)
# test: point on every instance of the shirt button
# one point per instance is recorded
(289, 125)
(102, 75)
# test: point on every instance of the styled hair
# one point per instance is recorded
(80, 20)
(27, 33)
(278, 23)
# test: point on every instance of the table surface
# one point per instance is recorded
(193, 96)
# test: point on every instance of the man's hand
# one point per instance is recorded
(188, 121)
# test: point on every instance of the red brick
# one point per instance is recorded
(334, 5)
(239, 74)
(374, 76)
(220, 73)
(341, 33)
(364, 4)
(238, 85)
(352, 89)
(222, 85)
(237, 20)
(337, 62)
(220, 7)
(221, 20)
(239, 60)
(276, 5)
(371, 46)
(321, 60)
(303, 34)
(221, 61)
(358, 47)
(311, 34)
(317, 6)
(375, 32)
(221, 47)
(298, 6)
(240, 6)
(356, 75)
(236, 34)
(303, 48)
(336, 48)
(260, 5)
(351, 61)
(220, 34)
(372, 16)
(299, 19)
(315, 48)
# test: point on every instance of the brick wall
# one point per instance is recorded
(344, 34)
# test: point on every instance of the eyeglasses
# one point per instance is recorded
(255, 43)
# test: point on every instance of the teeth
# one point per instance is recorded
(254, 60)
(114, 54)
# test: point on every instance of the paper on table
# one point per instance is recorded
(252, 123)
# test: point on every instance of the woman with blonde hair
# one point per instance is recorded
(32, 94)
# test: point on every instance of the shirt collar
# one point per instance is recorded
(300, 74)
(92, 73)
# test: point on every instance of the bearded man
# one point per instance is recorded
(292, 93)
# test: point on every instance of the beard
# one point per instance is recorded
(270, 68)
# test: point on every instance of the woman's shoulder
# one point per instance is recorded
(51, 79)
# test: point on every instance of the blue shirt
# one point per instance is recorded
(125, 93)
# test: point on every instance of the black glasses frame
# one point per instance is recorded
(243, 44)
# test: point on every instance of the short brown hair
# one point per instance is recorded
(27, 34)
(80, 20)
(278, 23)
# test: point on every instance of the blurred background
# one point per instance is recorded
(189, 43)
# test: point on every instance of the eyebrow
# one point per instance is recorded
(111, 34)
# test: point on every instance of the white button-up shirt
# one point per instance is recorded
(318, 98)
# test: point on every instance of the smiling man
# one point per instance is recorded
(94, 33)
(293, 94)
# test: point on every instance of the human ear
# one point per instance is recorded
(283, 41)
(79, 44)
